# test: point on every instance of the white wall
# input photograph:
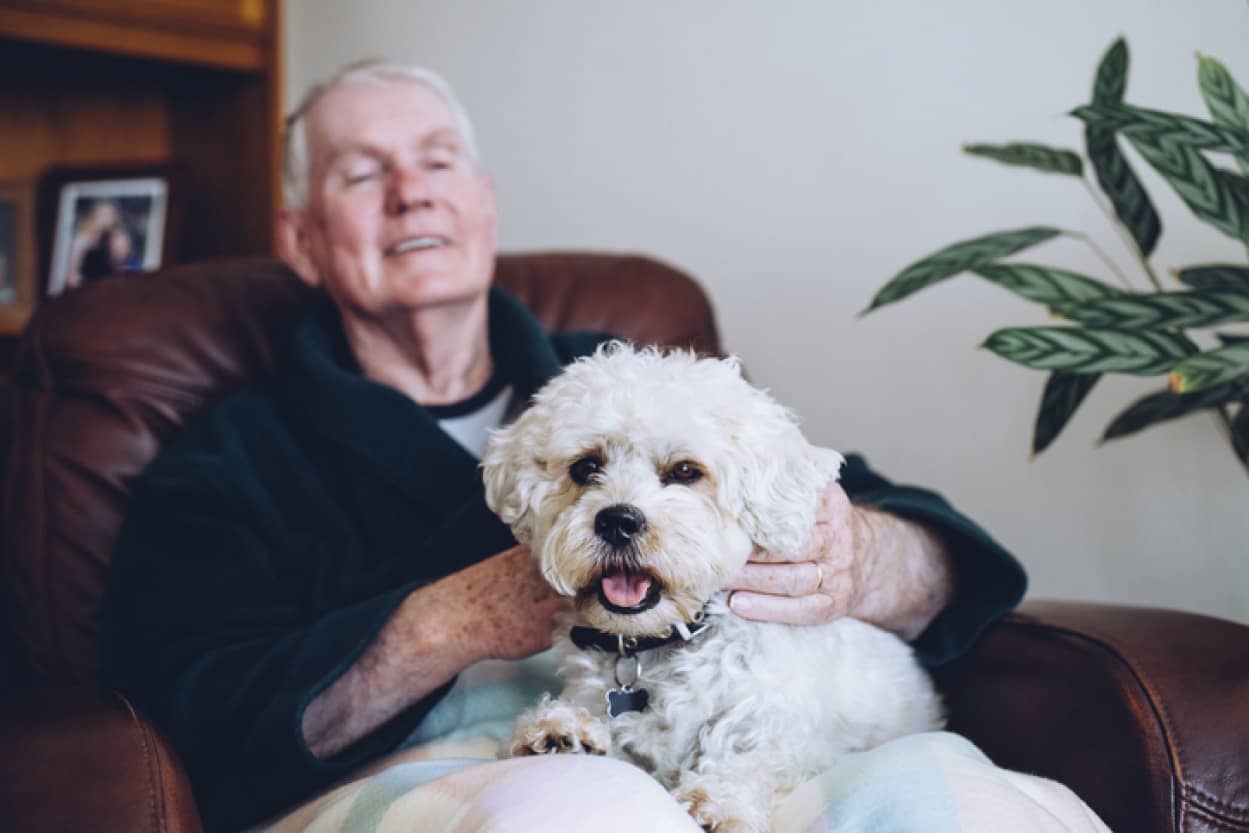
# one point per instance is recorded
(794, 156)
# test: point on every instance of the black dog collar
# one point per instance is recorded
(627, 646)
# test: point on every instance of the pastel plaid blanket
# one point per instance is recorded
(446, 780)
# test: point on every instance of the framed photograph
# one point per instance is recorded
(104, 221)
(17, 254)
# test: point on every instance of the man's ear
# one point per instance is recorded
(292, 231)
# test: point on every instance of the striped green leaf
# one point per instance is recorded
(957, 258)
(1184, 131)
(1110, 83)
(1240, 430)
(1025, 154)
(1215, 276)
(1115, 176)
(1213, 367)
(1198, 184)
(1227, 101)
(1236, 185)
(1045, 284)
(1165, 405)
(1063, 394)
(1084, 350)
(1163, 310)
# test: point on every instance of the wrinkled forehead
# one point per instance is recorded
(384, 114)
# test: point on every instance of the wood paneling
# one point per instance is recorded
(62, 107)
(218, 131)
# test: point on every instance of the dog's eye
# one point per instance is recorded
(684, 473)
(582, 470)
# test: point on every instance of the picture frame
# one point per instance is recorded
(101, 221)
(18, 265)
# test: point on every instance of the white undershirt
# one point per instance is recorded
(472, 430)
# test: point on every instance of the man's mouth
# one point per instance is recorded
(628, 591)
(414, 244)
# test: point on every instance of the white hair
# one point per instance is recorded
(296, 166)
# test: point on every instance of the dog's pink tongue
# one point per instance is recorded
(626, 589)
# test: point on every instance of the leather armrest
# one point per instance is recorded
(79, 759)
(1143, 713)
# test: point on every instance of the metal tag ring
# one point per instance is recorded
(627, 681)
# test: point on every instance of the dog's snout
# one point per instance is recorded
(619, 524)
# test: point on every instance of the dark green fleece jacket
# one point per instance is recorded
(269, 542)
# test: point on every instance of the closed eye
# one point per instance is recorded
(440, 157)
(357, 167)
(358, 177)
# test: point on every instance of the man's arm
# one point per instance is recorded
(227, 642)
(499, 608)
(911, 579)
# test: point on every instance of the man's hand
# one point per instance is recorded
(499, 608)
(856, 562)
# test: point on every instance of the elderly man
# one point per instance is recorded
(306, 569)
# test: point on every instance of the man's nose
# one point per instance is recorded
(407, 189)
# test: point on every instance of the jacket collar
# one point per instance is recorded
(396, 436)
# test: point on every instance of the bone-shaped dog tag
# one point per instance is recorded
(627, 699)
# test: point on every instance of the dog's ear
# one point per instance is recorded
(513, 484)
(778, 477)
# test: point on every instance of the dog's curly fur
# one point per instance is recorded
(744, 711)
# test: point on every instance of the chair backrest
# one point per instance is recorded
(106, 373)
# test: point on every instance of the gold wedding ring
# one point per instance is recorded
(819, 572)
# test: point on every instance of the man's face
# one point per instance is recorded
(399, 217)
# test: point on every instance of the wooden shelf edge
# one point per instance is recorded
(134, 41)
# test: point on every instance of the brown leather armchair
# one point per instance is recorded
(1144, 713)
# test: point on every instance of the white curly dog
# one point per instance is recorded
(642, 482)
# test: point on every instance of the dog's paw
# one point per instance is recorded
(558, 728)
(718, 815)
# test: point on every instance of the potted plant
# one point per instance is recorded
(1114, 327)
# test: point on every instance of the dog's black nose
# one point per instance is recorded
(619, 523)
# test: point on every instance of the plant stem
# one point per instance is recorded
(1105, 259)
(1128, 240)
(1149, 270)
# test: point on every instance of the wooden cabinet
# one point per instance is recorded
(188, 82)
